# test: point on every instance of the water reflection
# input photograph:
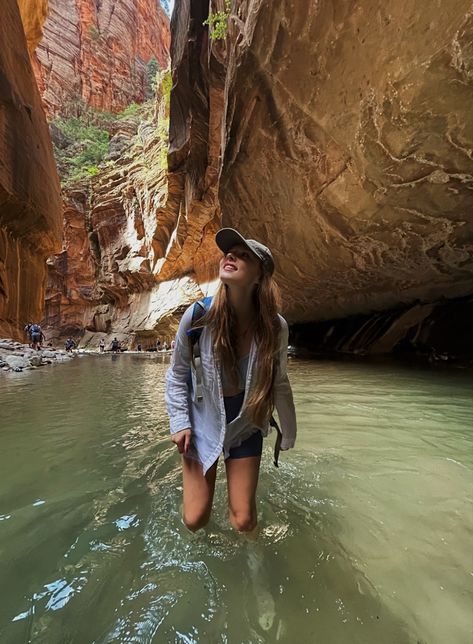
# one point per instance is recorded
(364, 529)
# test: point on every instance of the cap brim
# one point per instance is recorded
(227, 238)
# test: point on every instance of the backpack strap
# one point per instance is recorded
(200, 309)
(277, 446)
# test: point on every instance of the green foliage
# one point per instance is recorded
(130, 111)
(166, 85)
(81, 140)
(163, 89)
(152, 76)
(163, 158)
(94, 32)
(79, 146)
(218, 22)
(162, 129)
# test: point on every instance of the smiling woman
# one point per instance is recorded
(243, 355)
(240, 267)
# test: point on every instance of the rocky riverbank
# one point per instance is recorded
(15, 356)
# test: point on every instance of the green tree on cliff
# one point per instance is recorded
(218, 22)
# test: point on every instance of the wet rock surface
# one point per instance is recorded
(17, 357)
(340, 136)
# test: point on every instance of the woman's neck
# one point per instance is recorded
(242, 303)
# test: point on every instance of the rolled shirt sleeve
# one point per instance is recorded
(283, 397)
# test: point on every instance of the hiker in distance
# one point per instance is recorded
(223, 399)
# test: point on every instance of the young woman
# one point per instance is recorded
(225, 403)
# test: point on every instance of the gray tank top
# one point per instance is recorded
(242, 372)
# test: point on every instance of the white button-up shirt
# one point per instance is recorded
(206, 418)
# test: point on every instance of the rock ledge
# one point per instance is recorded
(15, 356)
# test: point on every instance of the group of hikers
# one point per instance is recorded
(164, 346)
(118, 346)
(36, 339)
(35, 335)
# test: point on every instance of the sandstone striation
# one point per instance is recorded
(99, 52)
(340, 135)
(30, 206)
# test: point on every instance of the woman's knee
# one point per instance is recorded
(243, 521)
(195, 521)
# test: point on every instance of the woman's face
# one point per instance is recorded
(240, 267)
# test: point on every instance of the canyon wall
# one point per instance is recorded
(340, 135)
(30, 205)
(97, 53)
(112, 277)
(103, 56)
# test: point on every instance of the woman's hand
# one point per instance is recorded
(182, 440)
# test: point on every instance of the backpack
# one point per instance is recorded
(200, 309)
(35, 328)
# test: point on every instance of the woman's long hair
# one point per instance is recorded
(222, 321)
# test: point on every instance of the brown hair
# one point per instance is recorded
(221, 319)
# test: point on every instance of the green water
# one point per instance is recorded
(365, 530)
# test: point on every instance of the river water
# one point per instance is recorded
(365, 530)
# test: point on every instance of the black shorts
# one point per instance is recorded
(253, 445)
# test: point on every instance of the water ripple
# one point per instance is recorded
(366, 525)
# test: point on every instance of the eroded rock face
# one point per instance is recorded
(112, 279)
(341, 136)
(30, 206)
(97, 51)
(338, 135)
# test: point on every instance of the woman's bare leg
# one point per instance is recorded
(242, 481)
(198, 493)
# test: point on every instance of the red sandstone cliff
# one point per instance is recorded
(339, 135)
(113, 276)
(97, 51)
(30, 206)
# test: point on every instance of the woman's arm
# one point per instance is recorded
(283, 398)
(177, 376)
